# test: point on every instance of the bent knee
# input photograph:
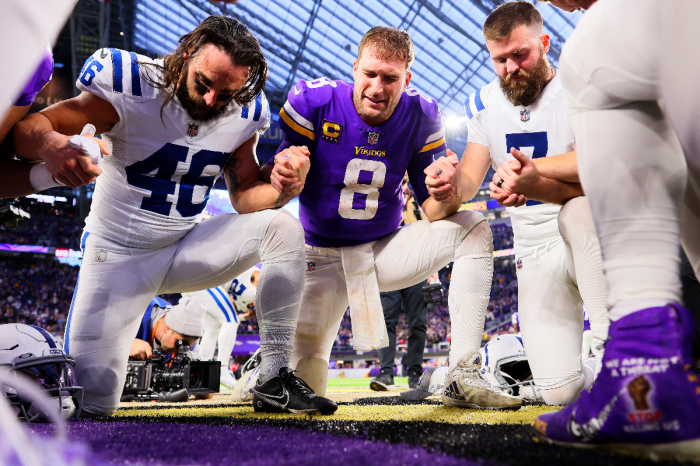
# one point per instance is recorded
(575, 219)
(284, 234)
(478, 241)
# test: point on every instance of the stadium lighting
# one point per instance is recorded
(454, 122)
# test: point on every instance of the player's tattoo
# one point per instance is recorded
(232, 180)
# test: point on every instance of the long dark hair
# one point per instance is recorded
(228, 34)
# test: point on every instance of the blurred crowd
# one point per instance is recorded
(39, 291)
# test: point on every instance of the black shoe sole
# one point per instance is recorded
(268, 408)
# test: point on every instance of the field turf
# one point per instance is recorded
(371, 429)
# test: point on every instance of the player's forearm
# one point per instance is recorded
(562, 167)
(553, 191)
(256, 196)
(436, 210)
(32, 137)
(14, 179)
(470, 186)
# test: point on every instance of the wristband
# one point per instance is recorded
(41, 179)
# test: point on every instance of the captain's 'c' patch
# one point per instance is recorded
(331, 131)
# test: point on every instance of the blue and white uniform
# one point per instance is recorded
(141, 238)
(225, 306)
(549, 301)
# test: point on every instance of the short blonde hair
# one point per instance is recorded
(388, 42)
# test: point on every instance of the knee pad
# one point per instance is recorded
(478, 242)
(565, 394)
(314, 371)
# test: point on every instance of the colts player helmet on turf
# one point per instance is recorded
(32, 352)
(504, 364)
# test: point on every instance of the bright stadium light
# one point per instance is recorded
(454, 121)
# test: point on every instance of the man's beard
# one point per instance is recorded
(359, 105)
(525, 91)
(196, 108)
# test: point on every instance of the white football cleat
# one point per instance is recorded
(466, 388)
(243, 391)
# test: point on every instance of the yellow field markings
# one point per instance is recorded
(423, 413)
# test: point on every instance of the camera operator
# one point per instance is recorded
(163, 325)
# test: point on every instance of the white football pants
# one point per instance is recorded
(622, 64)
(116, 283)
(220, 327)
(403, 258)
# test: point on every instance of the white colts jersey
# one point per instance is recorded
(538, 130)
(158, 175)
(243, 290)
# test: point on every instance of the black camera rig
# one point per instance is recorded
(170, 379)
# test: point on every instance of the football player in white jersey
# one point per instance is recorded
(629, 72)
(172, 126)
(524, 110)
(227, 305)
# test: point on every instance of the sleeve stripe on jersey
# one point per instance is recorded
(258, 107)
(244, 112)
(433, 145)
(116, 70)
(436, 136)
(300, 120)
(135, 78)
(292, 124)
(468, 110)
(221, 306)
(224, 298)
(477, 101)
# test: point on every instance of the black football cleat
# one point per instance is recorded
(383, 382)
(414, 378)
(287, 393)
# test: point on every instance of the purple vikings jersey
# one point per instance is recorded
(353, 191)
(37, 81)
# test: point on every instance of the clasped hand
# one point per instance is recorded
(291, 167)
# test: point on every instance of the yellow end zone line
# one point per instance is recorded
(423, 413)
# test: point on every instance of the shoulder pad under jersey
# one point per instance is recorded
(427, 104)
(110, 72)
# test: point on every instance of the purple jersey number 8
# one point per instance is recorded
(353, 186)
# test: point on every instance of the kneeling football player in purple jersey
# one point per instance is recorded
(361, 137)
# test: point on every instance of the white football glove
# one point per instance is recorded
(87, 146)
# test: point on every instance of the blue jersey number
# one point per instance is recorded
(164, 163)
(237, 289)
(88, 72)
(538, 142)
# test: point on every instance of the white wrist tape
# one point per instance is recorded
(87, 146)
(41, 179)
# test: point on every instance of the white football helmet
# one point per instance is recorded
(504, 364)
(32, 352)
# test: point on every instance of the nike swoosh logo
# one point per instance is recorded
(103, 53)
(282, 400)
(296, 91)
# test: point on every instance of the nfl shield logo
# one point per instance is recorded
(192, 130)
(310, 266)
(519, 264)
(372, 137)
(525, 115)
